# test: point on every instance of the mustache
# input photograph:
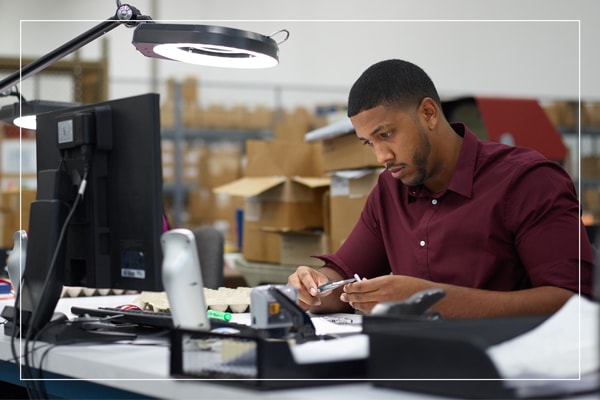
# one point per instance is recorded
(390, 165)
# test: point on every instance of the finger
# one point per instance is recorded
(304, 305)
(309, 279)
(364, 307)
(359, 296)
(309, 283)
(363, 286)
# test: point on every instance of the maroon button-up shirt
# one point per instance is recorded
(509, 220)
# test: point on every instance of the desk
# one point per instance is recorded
(132, 370)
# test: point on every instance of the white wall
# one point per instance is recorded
(533, 48)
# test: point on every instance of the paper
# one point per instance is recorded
(335, 324)
(353, 347)
(565, 346)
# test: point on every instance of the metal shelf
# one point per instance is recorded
(179, 134)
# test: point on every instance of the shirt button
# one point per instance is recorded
(434, 202)
(422, 243)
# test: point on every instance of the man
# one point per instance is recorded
(496, 227)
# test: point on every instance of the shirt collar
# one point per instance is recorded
(462, 179)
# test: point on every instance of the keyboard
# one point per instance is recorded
(154, 319)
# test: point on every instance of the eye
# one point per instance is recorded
(367, 143)
(384, 135)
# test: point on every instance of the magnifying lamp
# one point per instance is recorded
(197, 44)
(208, 45)
(23, 113)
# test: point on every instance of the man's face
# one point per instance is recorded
(399, 140)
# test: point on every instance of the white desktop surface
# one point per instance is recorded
(144, 369)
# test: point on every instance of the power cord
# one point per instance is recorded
(27, 356)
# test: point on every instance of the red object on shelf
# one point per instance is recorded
(518, 121)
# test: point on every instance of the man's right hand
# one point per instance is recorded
(306, 280)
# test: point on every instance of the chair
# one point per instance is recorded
(210, 246)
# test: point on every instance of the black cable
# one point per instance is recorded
(17, 325)
(13, 91)
(26, 355)
(17, 328)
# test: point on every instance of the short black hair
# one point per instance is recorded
(391, 82)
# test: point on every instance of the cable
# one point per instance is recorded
(31, 385)
(17, 325)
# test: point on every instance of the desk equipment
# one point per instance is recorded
(149, 319)
(416, 305)
(93, 161)
(182, 279)
(254, 361)
(533, 356)
(443, 357)
(264, 357)
(17, 257)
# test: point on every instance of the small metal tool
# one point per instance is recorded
(331, 285)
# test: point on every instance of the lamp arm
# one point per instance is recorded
(125, 15)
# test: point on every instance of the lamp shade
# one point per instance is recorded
(23, 114)
(206, 45)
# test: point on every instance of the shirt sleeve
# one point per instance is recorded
(542, 211)
(363, 252)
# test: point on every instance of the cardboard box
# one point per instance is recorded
(289, 132)
(591, 201)
(341, 149)
(14, 213)
(344, 214)
(590, 167)
(348, 193)
(221, 164)
(354, 183)
(260, 245)
(283, 189)
(347, 152)
(272, 204)
(282, 158)
(297, 247)
(280, 202)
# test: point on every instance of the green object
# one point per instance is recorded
(225, 316)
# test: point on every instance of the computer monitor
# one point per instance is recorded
(112, 238)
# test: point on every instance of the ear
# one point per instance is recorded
(429, 112)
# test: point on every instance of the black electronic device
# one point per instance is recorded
(152, 319)
(97, 218)
(442, 357)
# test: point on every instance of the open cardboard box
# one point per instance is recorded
(341, 148)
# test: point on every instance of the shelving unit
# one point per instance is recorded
(584, 144)
(584, 166)
(180, 135)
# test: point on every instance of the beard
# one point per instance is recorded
(420, 160)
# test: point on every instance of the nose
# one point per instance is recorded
(383, 153)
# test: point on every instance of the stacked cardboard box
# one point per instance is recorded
(14, 213)
(354, 171)
(348, 194)
(215, 164)
(283, 190)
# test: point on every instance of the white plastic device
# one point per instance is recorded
(182, 280)
(15, 264)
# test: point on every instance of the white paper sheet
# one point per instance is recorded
(562, 347)
(353, 347)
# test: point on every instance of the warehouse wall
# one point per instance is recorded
(535, 48)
